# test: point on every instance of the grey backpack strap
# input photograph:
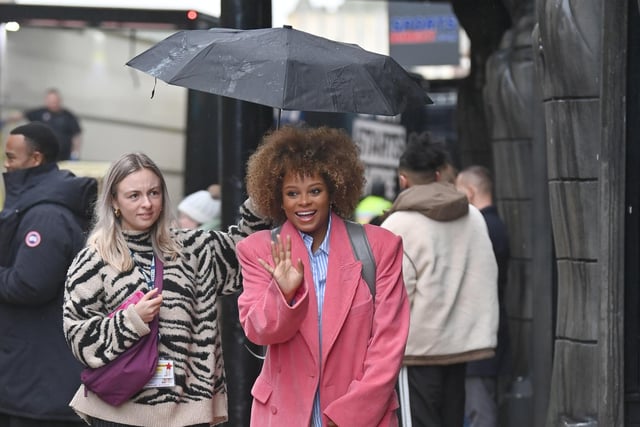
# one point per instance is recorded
(274, 234)
(362, 252)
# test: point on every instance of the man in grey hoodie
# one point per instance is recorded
(451, 278)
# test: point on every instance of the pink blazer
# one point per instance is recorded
(362, 348)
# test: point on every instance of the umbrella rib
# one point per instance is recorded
(380, 93)
(285, 88)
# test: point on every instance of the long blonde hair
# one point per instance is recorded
(106, 236)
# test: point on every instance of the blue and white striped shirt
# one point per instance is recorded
(319, 262)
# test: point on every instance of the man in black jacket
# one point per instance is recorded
(481, 407)
(42, 227)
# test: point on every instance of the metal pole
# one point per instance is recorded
(241, 125)
(3, 51)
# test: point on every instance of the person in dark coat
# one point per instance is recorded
(42, 227)
(482, 376)
(62, 121)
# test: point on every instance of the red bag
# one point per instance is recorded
(119, 380)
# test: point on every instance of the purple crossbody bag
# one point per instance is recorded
(119, 380)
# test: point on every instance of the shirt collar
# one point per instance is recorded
(308, 240)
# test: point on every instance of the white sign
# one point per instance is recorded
(381, 145)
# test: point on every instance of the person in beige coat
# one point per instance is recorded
(451, 277)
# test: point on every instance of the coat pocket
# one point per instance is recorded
(261, 390)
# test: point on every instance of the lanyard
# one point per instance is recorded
(151, 276)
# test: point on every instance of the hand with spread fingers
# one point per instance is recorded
(288, 276)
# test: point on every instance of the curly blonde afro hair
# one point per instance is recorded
(329, 152)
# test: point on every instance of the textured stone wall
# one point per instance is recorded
(508, 104)
(568, 55)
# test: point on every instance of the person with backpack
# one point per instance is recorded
(334, 345)
(42, 227)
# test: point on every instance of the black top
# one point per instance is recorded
(64, 123)
(500, 363)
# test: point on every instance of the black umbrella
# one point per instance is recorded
(283, 68)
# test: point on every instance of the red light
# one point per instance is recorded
(192, 15)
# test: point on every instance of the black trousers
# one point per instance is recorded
(437, 395)
(12, 421)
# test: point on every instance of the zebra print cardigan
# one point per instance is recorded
(189, 333)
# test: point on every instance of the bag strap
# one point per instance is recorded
(274, 233)
(157, 283)
(361, 250)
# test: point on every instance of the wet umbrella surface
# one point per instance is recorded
(283, 68)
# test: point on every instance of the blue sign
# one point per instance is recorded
(423, 34)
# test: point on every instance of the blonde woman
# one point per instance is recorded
(131, 236)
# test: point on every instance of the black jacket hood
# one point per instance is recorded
(48, 184)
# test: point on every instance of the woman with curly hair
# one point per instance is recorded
(333, 351)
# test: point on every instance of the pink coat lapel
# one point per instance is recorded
(339, 294)
(342, 282)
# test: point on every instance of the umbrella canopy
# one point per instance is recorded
(283, 68)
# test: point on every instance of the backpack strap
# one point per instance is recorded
(361, 250)
(274, 233)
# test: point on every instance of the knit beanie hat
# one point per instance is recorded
(200, 206)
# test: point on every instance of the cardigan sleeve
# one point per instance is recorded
(93, 337)
(222, 248)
